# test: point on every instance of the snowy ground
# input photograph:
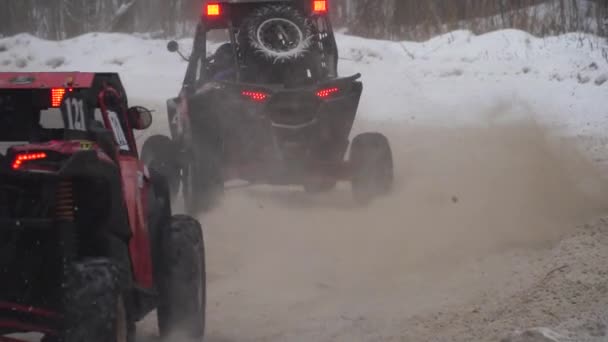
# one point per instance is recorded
(487, 133)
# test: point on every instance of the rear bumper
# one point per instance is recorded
(26, 224)
(18, 318)
(290, 174)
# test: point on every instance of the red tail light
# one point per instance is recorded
(255, 95)
(57, 96)
(319, 6)
(213, 10)
(325, 93)
(25, 157)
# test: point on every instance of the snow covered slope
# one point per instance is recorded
(562, 80)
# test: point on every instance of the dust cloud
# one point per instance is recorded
(286, 265)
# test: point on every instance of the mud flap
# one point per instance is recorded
(338, 116)
(171, 114)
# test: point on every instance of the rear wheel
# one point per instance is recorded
(159, 153)
(372, 164)
(183, 290)
(95, 305)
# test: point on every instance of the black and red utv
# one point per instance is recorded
(88, 242)
(267, 107)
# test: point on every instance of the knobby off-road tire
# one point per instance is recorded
(183, 288)
(276, 33)
(372, 164)
(203, 183)
(159, 153)
(95, 307)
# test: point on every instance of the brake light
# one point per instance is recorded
(255, 95)
(213, 10)
(325, 93)
(319, 6)
(57, 96)
(25, 157)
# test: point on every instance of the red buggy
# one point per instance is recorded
(88, 241)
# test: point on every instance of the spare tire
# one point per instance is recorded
(276, 33)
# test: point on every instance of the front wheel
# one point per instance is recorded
(183, 288)
(372, 167)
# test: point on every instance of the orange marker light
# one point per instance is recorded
(213, 10)
(57, 96)
(319, 6)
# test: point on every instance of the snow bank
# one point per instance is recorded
(447, 80)
(572, 294)
(451, 73)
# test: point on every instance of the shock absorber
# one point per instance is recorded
(65, 208)
(64, 201)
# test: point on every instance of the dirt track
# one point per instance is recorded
(473, 208)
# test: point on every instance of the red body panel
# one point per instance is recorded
(45, 80)
(135, 189)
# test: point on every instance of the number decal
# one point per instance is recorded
(75, 114)
(119, 134)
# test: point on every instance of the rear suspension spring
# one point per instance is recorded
(64, 207)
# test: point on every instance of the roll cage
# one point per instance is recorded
(323, 58)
